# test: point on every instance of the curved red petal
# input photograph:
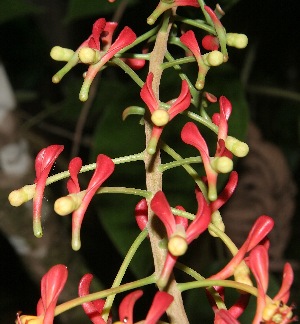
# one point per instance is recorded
(141, 214)
(161, 302)
(74, 168)
(147, 94)
(161, 208)
(182, 102)
(287, 280)
(126, 306)
(190, 41)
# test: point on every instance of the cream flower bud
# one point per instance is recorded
(238, 148)
(222, 164)
(20, 196)
(88, 55)
(66, 205)
(216, 219)
(61, 54)
(214, 58)
(242, 274)
(236, 40)
(273, 312)
(177, 245)
(160, 117)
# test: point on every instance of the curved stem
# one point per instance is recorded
(104, 293)
(174, 164)
(196, 23)
(125, 190)
(131, 252)
(187, 167)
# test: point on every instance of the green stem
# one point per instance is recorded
(125, 190)
(218, 299)
(92, 166)
(192, 172)
(196, 23)
(104, 293)
(182, 60)
(129, 71)
(131, 252)
(174, 164)
(222, 283)
(201, 120)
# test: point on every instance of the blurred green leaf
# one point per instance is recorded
(12, 9)
(79, 9)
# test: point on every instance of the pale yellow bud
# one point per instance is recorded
(160, 117)
(66, 205)
(177, 245)
(222, 164)
(61, 54)
(236, 40)
(216, 219)
(88, 55)
(214, 58)
(20, 196)
(30, 319)
(238, 148)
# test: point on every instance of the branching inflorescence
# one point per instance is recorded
(181, 228)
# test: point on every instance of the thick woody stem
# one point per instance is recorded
(176, 311)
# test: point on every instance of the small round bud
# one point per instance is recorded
(238, 148)
(215, 58)
(236, 40)
(64, 206)
(222, 164)
(88, 55)
(61, 54)
(160, 117)
(177, 245)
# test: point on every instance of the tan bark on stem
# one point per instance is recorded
(176, 311)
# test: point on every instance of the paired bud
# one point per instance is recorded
(66, 205)
(222, 164)
(236, 40)
(216, 219)
(20, 196)
(160, 117)
(61, 54)
(238, 148)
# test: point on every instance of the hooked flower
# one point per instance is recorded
(161, 302)
(94, 308)
(179, 233)
(205, 61)
(52, 285)
(270, 310)
(90, 52)
(43, 164)
(78, 201)
(160, 116)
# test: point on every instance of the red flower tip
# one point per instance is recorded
(92, 309)
(210, 43)
(74, 168)
(43, 164)
(141, 214)
(126, 306)
(52, 285)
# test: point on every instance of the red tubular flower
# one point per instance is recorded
(179, 233)
(159, 116)
(52, 285)
(258, 232)
(161, 302)
(275, 310)
(104, 168)
(125, 38)
(190, 41)
(43, 164)
(78, 201)
(92, 309)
